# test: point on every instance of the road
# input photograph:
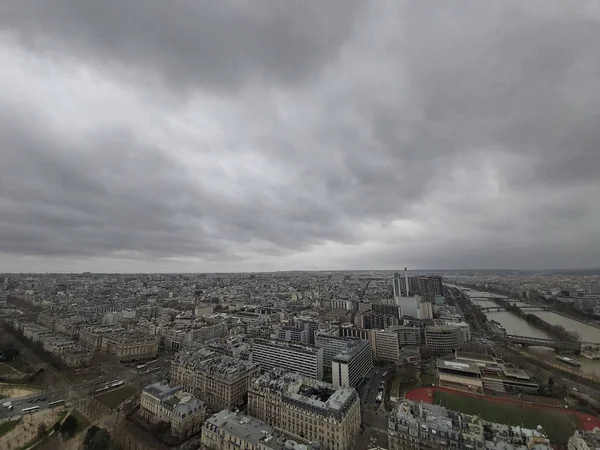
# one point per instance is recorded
(127, 373)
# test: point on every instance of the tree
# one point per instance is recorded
(96, 439)
(69, 426)
(42, 430)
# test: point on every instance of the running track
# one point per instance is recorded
(425, 394)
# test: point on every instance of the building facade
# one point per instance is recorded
(350, 366)
(130, 345)
(307, 409)
(233, 430)
(303, 359)
(220, 381)
(441, 340)
(161, 403)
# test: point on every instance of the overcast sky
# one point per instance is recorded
(249, 135)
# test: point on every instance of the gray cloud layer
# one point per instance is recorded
(243, 136)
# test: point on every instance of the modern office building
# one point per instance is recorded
(332, 345)
(307, 409)
(409, 335)
(387, 346)
(351, 365)
(220, 381)
(161, 403)
(372, 320)
(425, 310)
(464, 327)
(388, 309)
(443, 339)
(303, 359)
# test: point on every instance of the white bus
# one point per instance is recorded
(30, 409)
(56, 403)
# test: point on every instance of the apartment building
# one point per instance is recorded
(220, 381)
(92, 336)
(70, 352)
(47, 319)
(70, 325)
(184, 336)
(351, 365)
(234, 430)
(130, 345)
(442, 339)
(304, 359)
(306, 408)
(161, 403)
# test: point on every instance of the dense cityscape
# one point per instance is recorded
(300, 360)
(299, 225)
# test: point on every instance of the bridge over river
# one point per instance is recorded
(522, 308)
(527, 341)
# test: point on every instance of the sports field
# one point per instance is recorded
(557, 423)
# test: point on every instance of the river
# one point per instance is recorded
(515, 325)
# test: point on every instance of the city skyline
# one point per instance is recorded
(334, 136)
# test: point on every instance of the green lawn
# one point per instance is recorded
(82, 422)
(7, 426)
(114, 398)
(557, 424)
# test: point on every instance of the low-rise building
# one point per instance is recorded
(161, 403)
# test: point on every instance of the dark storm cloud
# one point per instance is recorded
(219, 44)
(108, 192)
(470, 126)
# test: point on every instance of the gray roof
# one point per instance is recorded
(245, 427)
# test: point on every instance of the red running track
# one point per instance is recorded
(425, 394)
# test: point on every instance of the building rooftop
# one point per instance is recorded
(161, 390)
(467, 367)
(355, 346)
(323, 397)
(245, 427)
(213, 363)
(179, 401)
(285, 344)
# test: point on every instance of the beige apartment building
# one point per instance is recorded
(307, 409)
(233, 430)
(130, 345)
(47, 319)
(92, 336)
(183, 412)
(219, 380)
